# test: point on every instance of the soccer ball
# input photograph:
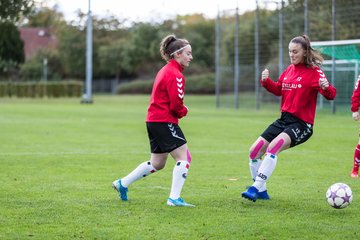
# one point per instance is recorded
(339, 195)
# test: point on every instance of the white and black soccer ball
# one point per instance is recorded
(339, 195)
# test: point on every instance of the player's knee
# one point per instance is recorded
(157, 165)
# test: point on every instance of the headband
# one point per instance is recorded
(179, 49)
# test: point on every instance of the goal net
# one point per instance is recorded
(341, 67)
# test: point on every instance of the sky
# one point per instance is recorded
(148, 10)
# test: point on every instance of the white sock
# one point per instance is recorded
(254, 165)
(179, 176)
(265, 170)
(143, 170)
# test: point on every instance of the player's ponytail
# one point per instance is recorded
(314, 57)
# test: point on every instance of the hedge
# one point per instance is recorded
(41, 89)
(196, 84)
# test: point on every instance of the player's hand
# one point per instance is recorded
(264, 74)
(356, 116)
(324, 83)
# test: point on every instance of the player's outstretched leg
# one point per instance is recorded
(121, 185)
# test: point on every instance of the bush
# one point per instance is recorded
(5, 89)
(41, 89)
(195, 84)
(136, 86)
(201, 84)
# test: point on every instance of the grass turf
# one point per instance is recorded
(59, 157)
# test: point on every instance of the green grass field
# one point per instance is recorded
(58, 159)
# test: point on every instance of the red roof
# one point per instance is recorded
(35, 39)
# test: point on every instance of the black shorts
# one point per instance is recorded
(164, 137)
(298, 130)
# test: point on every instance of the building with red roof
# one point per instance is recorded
(35, 39)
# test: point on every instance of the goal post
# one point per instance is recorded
(335, 42)
(342, 67)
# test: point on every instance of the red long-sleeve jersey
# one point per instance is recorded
(166, 102)
(298, 87)
(355, 98)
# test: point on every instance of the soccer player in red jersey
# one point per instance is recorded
(298, 87)
(355, 104)
(165, 109)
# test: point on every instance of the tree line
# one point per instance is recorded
(123, 51)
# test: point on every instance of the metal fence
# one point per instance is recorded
(240, 51)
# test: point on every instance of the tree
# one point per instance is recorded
(12, 10)
(72, 49)
(33, 69)
(110, 59)
(109, 36)
(107, 33)
(11, 48)
(201, 34)
(45, 17)
(141, 51)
